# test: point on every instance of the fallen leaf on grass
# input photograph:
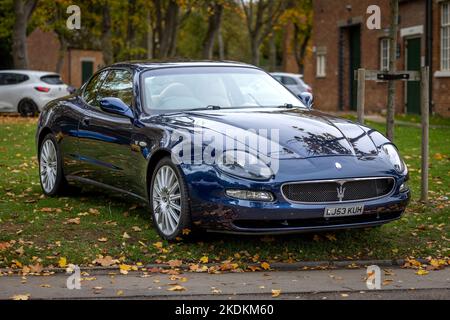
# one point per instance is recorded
(94, 211)
(37, 268)
(136, 229)
(204, 259)
(4, 245)
(105, 261)
(102, 239)
(126, 235)
(265, 266)
(73, 221)
(175, 263)
(158, 244)
(124, 268)
(62, 262)
(275, 293)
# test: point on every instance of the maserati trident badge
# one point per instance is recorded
(340, 193)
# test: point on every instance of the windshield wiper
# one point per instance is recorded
(288, 106)
(210, 107)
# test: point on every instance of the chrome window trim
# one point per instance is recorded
(338, 181)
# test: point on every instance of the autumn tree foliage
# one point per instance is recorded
(245, 30)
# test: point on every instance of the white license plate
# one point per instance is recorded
(343, 211)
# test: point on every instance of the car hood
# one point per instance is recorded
(297, 133)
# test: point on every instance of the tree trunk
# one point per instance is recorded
(167, 35)
(149, 36)
(272, 53)
(61, 53)
(390, 118)
(131, 34)
(255, 45)
(221, 45)
(22, 10)
(214, 23)
(107, 49)
(300, 52)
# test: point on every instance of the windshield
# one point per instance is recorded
(192, 88)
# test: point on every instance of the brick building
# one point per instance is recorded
(342, 43)
(79, 64)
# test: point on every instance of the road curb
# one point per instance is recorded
(276, 266)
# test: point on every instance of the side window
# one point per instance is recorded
(289, 81)
(118, 84)
(12, 78)
(91, 90)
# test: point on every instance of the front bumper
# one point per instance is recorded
(212, 210)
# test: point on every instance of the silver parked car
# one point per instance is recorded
(27, 92)
(293, 82)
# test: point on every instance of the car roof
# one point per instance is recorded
(152, 64)
(30, 72)
(286, 74)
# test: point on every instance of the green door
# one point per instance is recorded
(87, 70)
(413, 64)
(355, 63)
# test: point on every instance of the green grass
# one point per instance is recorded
(37, 228)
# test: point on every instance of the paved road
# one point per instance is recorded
(323, 284)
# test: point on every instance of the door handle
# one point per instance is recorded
(86, 121)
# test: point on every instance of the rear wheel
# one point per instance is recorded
(169, 201)
(27, 108)
(51, 174)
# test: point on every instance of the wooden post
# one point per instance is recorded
(361, 94)
(425, 103)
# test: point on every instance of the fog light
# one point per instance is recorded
(404, 187)
(250, 195)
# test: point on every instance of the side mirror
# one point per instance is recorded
(116, 106)
(307, 99)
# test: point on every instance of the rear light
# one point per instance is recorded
(42, 89)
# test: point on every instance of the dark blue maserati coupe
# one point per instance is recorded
(219, 146)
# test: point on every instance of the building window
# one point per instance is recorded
(321, 65)
(384, 54)
(445, 37)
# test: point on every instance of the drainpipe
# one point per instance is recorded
(429, 47)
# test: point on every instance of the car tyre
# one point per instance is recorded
(27, 108)
(51, 173)
(169, 201)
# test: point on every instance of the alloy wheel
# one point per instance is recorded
(166, 200)
(48, 165)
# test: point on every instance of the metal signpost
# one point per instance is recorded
(363, 75)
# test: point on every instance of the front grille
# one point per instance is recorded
(337, 190)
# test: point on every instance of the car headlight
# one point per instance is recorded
(244, 165)
(394, 157)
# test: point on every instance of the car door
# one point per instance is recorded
(105, 139)
(11, 91)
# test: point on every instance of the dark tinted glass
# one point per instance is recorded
(12, 78)
(91, 91)
(289, 81)
(52, 79)
(118, 84)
